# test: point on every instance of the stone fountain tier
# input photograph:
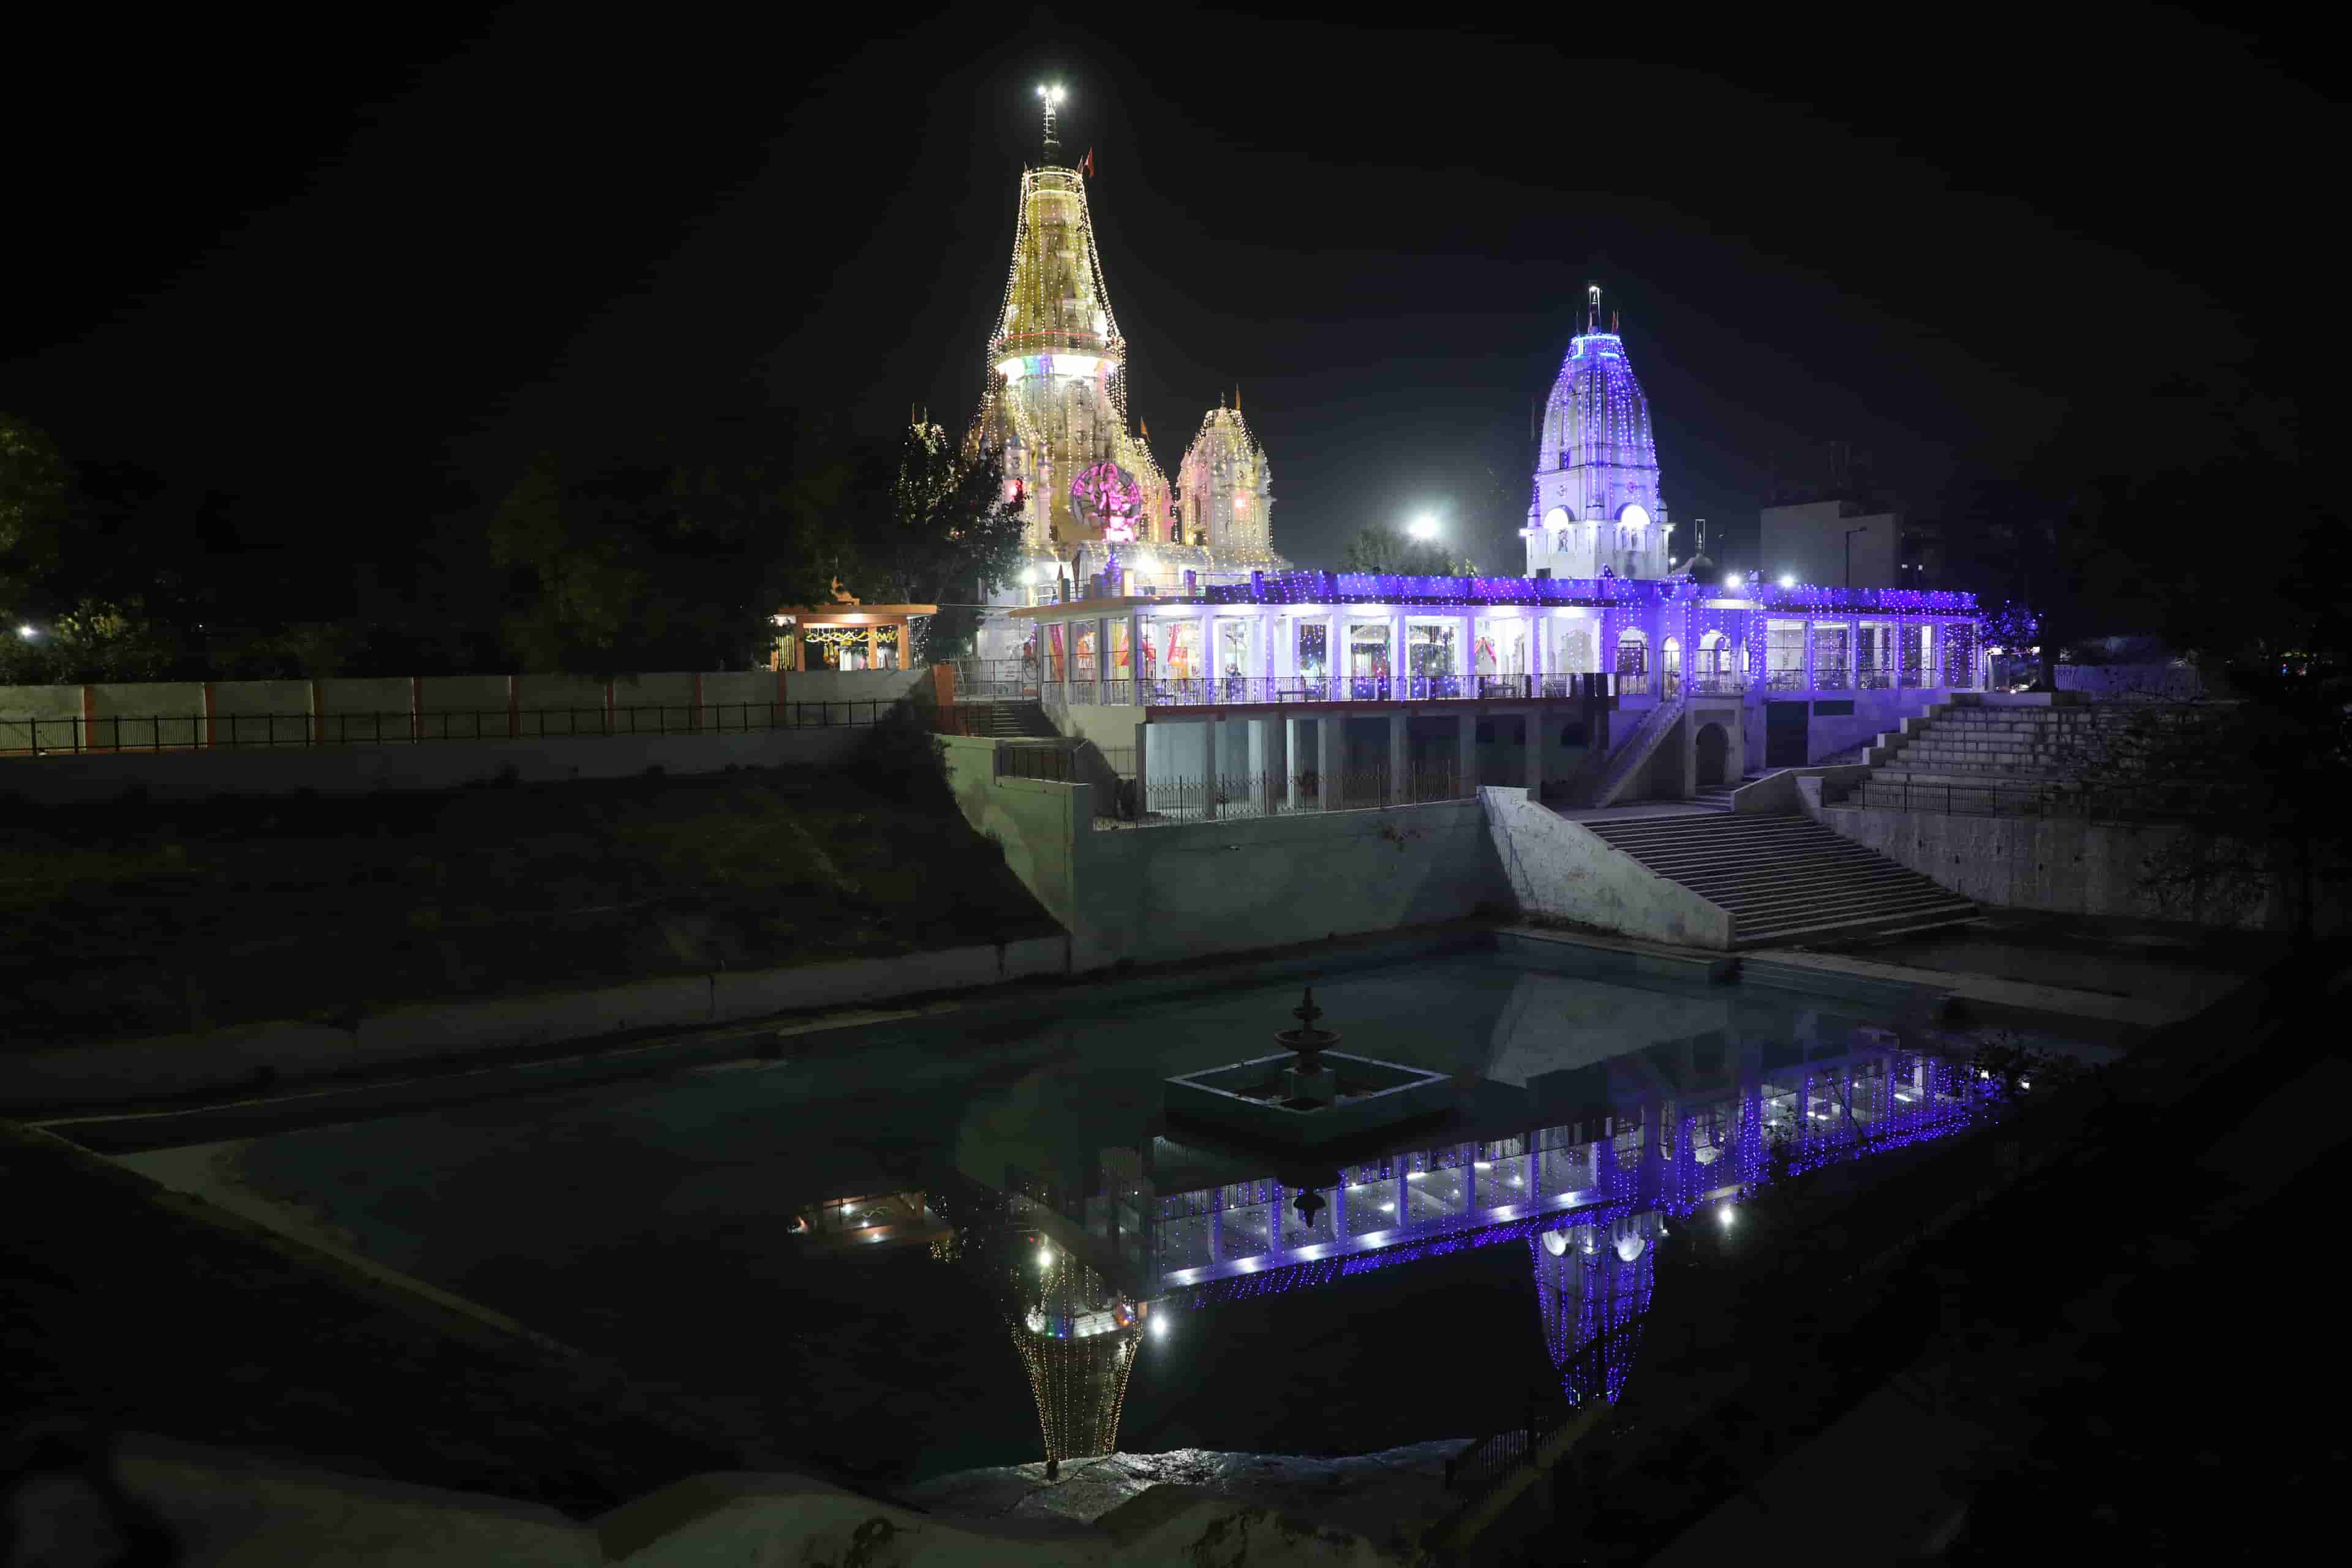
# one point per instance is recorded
(1311, 1095)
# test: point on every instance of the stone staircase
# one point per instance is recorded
(1976, 757)
(1009, 720)
(1626, 760)
(1784, 878)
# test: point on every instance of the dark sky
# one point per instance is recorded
(353, 268)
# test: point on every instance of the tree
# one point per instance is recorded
(34, 483)
(949, 538)
(1385, 551)
(676, 558)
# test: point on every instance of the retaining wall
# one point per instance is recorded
(1165, 892)
(1563, 870)
(2066, 865)
(171, 1065)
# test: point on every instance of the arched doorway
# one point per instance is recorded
(1713, 671)
(1633, 662)
(1714, 750)
(1670, 663)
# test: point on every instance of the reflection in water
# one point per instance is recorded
(1185, 1224)
(1077, 1336)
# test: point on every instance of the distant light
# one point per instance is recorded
(1388, 1208)
(1158, 1328)
(1249, 1264)
(1045, 1256)
(1050, 94)
(27, 632)
(1423, 527)
(1788, 580)
(1412, 1176)
(1734, 581)
(2025, 1083)
(1482, 1164)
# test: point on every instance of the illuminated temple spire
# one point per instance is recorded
(1076, 1337)
(1055, 405)
(1596, 503)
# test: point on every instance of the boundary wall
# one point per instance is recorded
(1161, 893)
(86, 778)
(209, 714)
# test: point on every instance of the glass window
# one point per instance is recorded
(1368, 647)
(1784, 656)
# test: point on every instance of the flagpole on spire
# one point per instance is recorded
(1053, 98)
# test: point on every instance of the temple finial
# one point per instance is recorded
(1052, 99)
(1591, 303)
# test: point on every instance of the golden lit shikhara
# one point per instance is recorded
(1226, 491)
(1055, 403)
(1077, 1343)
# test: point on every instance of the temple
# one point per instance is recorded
(1608, 673)
(1597, 508)
(1094, 500)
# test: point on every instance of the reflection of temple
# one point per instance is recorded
(1054, 406)
(1077, 1337)
(1583, 1164)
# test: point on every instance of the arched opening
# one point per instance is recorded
(1633, 662)
(1714, 754)
(1670, 662)
(1713, 669)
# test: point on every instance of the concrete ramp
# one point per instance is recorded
(1563, 871)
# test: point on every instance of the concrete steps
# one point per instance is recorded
(1784, 878)
(1011, 721)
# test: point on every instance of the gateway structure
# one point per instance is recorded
(1094, 499)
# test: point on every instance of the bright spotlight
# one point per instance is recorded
(28, 632)
(1158, 1328)
(1045, 1256)
(1788, 581)
(1423, 527)
(1724, 1214)
(1050, 94)
(1734, 581)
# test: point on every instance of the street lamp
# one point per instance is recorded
(1849, 552)
(1423, 526)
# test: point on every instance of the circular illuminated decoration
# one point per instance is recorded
(1556, 1243)
(1629, 1248)
(1107, 499)
(1634, 516)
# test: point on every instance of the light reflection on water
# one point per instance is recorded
(652, 1220)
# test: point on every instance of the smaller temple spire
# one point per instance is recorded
(1592, 301)
(1053, 98)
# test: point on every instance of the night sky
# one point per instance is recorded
(353, 269)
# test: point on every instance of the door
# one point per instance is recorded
(1785, 738)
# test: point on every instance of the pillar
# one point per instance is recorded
(1142, 769)
(1335, 653)
(1340, 1209)
(1465, 724)
(1266, 769)
(1331, 756)
(1292, 751)
(1536, 671)
(1209, 771)
(1534, 749)
(1468, 664)
(1134, 654)
(1399, 785)
(1396, 657)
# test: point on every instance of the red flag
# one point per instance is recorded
(1087, 164)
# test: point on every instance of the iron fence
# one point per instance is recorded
(1039, 759)
(196, 731)
(994, 679)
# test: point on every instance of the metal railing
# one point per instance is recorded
(197, 732)
(1053, 760)
(1229, 796)
(1237, 690)
(994, 679)
(2056, 798)
(1484, 1464)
